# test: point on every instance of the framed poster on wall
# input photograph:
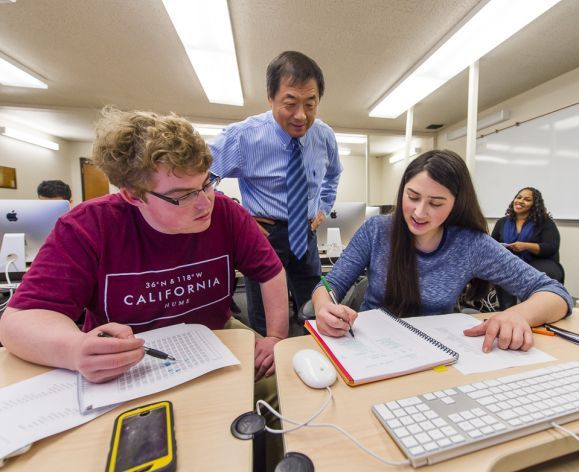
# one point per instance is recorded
(7, 177)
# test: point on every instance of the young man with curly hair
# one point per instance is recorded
(161, 251)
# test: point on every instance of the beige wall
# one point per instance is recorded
(34, 164)
(352, 186)
(548, 97)
(385, 177)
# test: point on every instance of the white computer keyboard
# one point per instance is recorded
(439, 425)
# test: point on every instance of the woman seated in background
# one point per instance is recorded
(420, 258)
(530, 233)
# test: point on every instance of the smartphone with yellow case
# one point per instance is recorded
(143, 440)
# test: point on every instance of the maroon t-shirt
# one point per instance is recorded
(104, 257)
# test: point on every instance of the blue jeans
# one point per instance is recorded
(302, 274)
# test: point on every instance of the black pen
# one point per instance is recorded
(148, 350)
(563, 333)
(334, 301)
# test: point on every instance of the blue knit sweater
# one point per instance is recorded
(462, 255)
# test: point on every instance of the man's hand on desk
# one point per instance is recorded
(264, 356)
(318, 220)
(511, 329)
(100, 359)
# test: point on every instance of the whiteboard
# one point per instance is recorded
(541, 153)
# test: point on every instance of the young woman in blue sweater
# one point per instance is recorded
(420, 258)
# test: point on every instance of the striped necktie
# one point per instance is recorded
(297, 202)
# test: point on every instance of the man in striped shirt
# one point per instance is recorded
(258, 150)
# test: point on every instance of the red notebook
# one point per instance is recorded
(384, 346)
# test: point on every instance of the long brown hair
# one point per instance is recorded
(402, 296)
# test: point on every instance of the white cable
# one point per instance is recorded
(9, 284)
(6, 273)
(298, 424)
(565, 430)
(322, 425)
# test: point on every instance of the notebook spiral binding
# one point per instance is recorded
(423, 335)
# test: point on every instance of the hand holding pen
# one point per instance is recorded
(335, 302)
(148, 350)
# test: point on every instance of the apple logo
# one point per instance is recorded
(333, 214)
(12, 216)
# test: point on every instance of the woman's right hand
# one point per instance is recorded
(335, 320)
(100, 359)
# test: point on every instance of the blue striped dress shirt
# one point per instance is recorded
(257, 151)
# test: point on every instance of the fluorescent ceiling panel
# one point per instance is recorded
(401, 155)
(204, 28)
(28, 138)
(208, 130)
(344, 138)
(491, 24)
(13, 76)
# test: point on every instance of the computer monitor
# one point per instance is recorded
(347, 217)
(372, 211)
(33, 218)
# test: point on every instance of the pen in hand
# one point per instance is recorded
(334, 301)
(148, 350)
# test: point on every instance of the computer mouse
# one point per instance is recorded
(315, 370)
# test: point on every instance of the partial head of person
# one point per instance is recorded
(528, 204)
(295, 85)
(54, 190)
(436, 191)
(160, 165)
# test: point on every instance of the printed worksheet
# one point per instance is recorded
(40, 407)
(448, 329)
(197, 351)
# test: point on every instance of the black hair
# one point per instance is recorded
(54, 189)
(296, 66)
(538, 213)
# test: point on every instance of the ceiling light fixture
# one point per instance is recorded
(484, 29)
(14, 75)
(28, 138)
(208, 130)
(344, 138)
(204, 28)
(344, 151)
(399, 155)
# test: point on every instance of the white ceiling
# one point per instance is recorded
(126, 52)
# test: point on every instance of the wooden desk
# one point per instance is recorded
(204, 409)
(331, 451)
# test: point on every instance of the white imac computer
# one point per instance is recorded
(24, 226)
(339, 226)
(372, 211)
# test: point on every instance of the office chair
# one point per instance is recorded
(353, 298)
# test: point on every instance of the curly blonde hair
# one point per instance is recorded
(130, 146)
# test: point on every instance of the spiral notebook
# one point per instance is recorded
(383, 347)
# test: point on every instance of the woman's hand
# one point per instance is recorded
(512, 330)
(335, 320)
(518, 246)
(100, 359)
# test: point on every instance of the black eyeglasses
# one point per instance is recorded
(191, 196)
